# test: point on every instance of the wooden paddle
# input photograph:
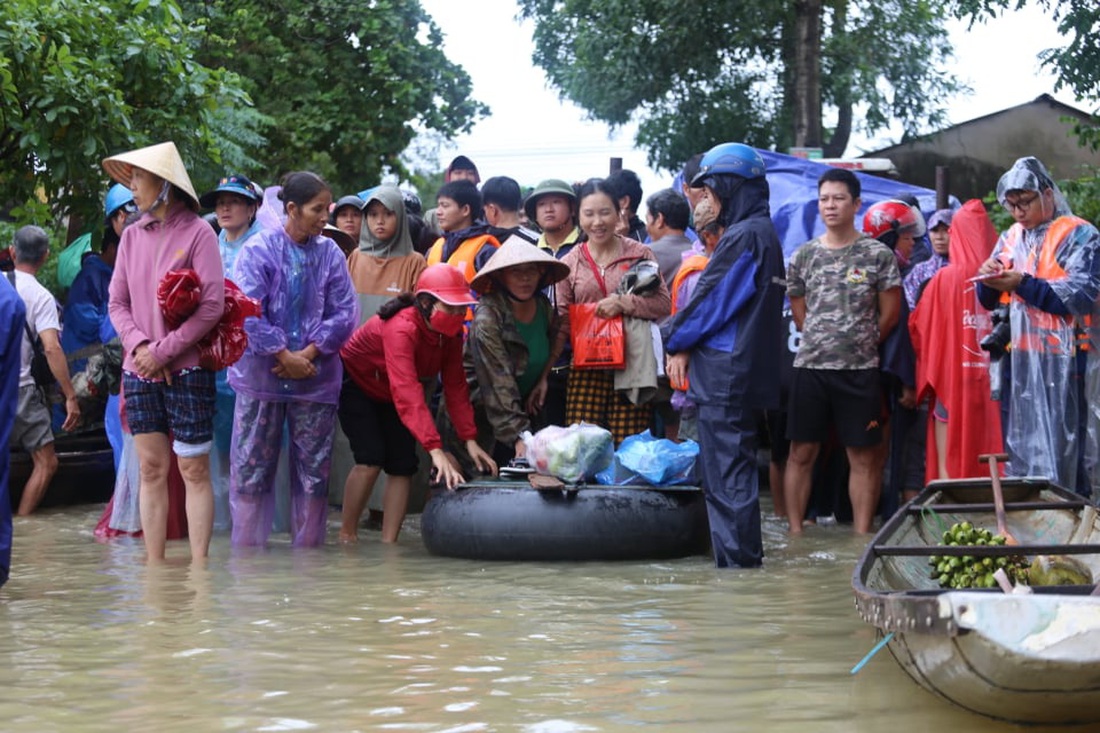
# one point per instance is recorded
(998, 495)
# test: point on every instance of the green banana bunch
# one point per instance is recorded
(967, 571)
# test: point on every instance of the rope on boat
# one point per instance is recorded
(927, 513)
(874, 650)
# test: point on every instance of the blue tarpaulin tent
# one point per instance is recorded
(793, 183)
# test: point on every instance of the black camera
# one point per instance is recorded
(997, 340)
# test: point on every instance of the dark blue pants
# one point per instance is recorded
(727, 445)
(12, 315)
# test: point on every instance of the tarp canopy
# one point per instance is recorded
(793, 184)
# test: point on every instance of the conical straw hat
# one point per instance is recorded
(161, 160)
(518, 251)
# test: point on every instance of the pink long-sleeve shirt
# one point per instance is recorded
(582, 285)
(150, 248)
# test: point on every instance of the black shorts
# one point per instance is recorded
(850, 399)
(376, 433)
(775, 423)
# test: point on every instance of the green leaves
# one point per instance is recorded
(80, 80)
(344, 85)
(339, 86)
(695, 74)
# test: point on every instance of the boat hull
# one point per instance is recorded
(85, 471)
(1014, 658)
(1024, 658)
(512, 521)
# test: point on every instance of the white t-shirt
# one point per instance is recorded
(41, 316)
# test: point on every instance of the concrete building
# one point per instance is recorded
(977, 152)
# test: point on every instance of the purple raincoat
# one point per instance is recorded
(307, 297)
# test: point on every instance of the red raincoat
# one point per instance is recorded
(945, 328)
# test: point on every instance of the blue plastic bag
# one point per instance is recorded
(643, 459)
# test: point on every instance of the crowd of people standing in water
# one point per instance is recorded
(393, 333)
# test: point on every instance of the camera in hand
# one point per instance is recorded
(997, 340)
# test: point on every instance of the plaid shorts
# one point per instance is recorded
(186, 407)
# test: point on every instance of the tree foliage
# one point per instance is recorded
(81, 80)
(256, 86)
(1077, 63)
(346, 83)
(694, 74)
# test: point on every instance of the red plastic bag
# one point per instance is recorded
(226, 343)
(598, 343)
(178, 294)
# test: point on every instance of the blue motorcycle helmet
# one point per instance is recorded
(735, 159)
(118, 196)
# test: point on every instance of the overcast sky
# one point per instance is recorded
(532, 134)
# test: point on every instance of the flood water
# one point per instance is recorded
(383, 638)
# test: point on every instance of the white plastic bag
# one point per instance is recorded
(573, 454)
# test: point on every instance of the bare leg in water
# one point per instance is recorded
(357, 491)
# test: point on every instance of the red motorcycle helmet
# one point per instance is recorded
(445, 283)
(892, 217)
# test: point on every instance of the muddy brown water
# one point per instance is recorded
(389, 638)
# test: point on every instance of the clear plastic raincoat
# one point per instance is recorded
(1054, 388)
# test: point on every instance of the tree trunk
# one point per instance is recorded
(807, 73)
(838, 143)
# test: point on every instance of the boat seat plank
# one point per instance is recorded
(983, 550)
(1065, 590)
(1018, 506)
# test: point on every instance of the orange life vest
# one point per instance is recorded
(1047, 326)
(693, 264)
(463, 257)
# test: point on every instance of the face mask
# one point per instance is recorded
(448, 324)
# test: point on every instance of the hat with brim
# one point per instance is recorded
(554, 186)
(237, 184)
(343, 239)
(350, 200)
(518, 251)
(162, 160)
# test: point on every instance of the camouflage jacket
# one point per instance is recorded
(495, 355)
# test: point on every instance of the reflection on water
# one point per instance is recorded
(389, 638)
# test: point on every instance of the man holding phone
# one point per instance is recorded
(1046, 269)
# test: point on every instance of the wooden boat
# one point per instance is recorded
(510, 520)
(1024, 658)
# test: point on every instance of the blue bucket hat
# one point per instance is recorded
(237, 184)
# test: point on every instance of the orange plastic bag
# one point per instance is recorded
(598, 343)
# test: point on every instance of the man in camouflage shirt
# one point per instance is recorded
(845, 293)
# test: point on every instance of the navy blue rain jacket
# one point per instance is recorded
(12, 318)
(733, 323)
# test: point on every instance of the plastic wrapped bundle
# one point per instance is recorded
(178, 295)
(226, 343)
(643, 459)
(573, 454)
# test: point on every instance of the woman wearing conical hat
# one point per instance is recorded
(508, 350)
(164, 387)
